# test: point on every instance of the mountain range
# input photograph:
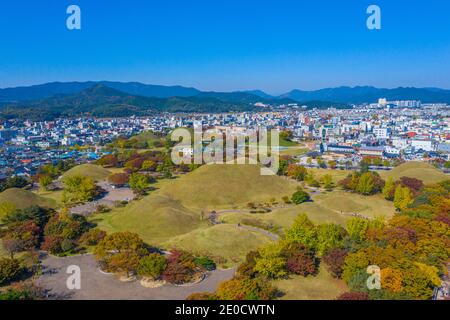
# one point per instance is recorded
(107, 98)
(359, 94)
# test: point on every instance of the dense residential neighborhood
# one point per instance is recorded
(403, 130)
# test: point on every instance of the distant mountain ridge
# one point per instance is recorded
(367, 94)
(102, 101)
(351, 95)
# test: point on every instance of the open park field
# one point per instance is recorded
(320, 287)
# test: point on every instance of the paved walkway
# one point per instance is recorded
(98, 285)
(109, 198)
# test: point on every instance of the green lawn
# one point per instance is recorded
(337, 174)
(156, 218)
(55, 196)
(325, 208)
(320, 287)
(22, 198)
(227, 186)
(228, 244)
(419, 170)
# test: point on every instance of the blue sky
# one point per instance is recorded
(227, 45)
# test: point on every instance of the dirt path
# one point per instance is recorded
(98, 285)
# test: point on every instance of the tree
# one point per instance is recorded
(121, 252)
(21, 236)
(365, 184)
(389, 189)
(327, 182)
(413, 184)
(297, 172)
(354, 296)
(332, 164)
(13, 182)
(35, 213)
(180, 268)
(152, 265)
(201, 296)
(10, 270)
(300, 259)
(311, 181)
(205, 263)
(134, 164)
(391, 279)
(329, 236)
(6, 208)
(334, 259)
(245, 289)
(270, 262)
(45, 181)
(357, 227)
(149, 165)
(139, 183)
(92, 237)
(402, 197)
(302, 231)
(300, 196)
(78, 189)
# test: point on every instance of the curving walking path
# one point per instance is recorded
(98, 285)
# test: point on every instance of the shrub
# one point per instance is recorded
(92, 237)
(205, 263)
(10, 270)
(152, 265)
(299, 259)
(300, 196)
(181, 268)
(245, 289)
(354, 296)
(121, 252)
(202, 296)
(334, 259)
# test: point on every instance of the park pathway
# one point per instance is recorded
(98, 285)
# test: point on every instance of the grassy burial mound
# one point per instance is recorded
(226, 243)
(22, 199)
(419, 170)
(156, 218)
(176, 207)
(97, 173)
(147, 137)
(325, 208)
(228, 186)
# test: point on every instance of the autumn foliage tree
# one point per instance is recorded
(334, 259)
(121, 252)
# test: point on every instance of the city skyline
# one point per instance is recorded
(247, 46)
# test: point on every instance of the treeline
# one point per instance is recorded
(409, 252)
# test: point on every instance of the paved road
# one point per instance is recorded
(97, 285)
(271, 235)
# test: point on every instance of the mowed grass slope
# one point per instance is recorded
(172, 214)
(227, 243)
(22, 199)
(325, 208)
(419, 170)
(320, 287)
(227, 186)
(156, 218)
(98, 173)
